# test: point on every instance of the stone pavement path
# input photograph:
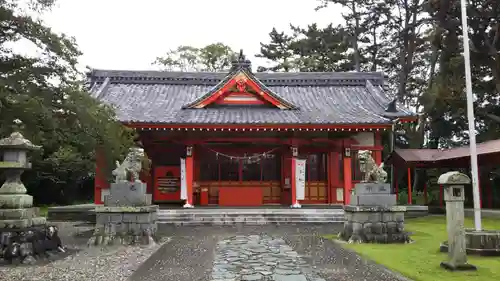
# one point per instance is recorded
(269, 252)
(259, 257)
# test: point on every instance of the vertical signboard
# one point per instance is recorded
(300, 179)
(183, 180)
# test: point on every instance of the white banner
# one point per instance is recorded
(300, 179)
(183, 180)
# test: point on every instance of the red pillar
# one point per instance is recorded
(347, 175)
(335, 175)
(286, 171)
(293, 178)
(189, 176)
(377, 154)
(293, 181)
(409, 187)
(329, 178)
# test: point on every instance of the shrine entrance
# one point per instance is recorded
(241, 176)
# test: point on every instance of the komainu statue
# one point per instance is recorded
(130, 167)
(372, 172)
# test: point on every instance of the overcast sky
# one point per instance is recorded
(130, 34)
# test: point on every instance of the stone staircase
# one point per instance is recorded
(250, 216)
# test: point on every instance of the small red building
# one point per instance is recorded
(241, 133)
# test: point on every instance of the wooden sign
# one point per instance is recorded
(300, 179)
(183, 180)
(168, 184)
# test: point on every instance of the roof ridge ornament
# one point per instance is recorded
(392, 106)
(241, 63)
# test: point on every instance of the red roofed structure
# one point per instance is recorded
(240, 133)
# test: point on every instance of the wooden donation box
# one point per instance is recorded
(240, 196)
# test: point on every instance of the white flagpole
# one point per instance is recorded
(470, 117)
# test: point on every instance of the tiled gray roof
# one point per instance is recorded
(321, 98)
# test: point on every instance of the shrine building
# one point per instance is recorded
(243, 138)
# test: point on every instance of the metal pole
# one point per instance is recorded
(470, 117)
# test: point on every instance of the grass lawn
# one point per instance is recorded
(420, 260)
(44, 210)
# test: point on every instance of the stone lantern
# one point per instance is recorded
(15, 205)
(24, 235)
(454, 183)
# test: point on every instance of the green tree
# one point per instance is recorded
(45, 93)
(308, 49)
(213, 57)
(278, 51)
(322, 49)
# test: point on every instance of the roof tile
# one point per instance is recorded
(321, 98)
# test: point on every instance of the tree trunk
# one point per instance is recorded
(357, 60)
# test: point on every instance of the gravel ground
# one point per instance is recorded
(190, 255)
(113, 263)
(195, 254)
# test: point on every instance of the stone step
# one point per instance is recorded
(249, 216)
(249, 211)
(249, 219)
(260, 222)
(255, 217)
(160, 213)
(246, 215)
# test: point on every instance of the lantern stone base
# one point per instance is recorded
(481, 243)
(125, 225)
(25, 237)
(22, 223)
(15, 201)
(28, 244)
(374, 224)
(458, 267)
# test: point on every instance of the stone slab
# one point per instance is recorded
(13, 187)
(373, 199)
(81, 212)
(28, 213)
(22, 223)
(128, 194)
(372, 188)
(103, 218)
(351, 208)
(481, 243)
(15, 201)
(73, 208)
(137, 200)
(126, 209)
(39, 221)
(458, 267)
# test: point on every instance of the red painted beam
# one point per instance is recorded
(263, 94)
(286, 141)
(362, 147)
(230, 140)
(217, 95)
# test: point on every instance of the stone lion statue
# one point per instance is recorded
(372, 172)
(132, 165)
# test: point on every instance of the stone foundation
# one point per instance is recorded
(125, 225)
(374, 224)
(482, 243)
